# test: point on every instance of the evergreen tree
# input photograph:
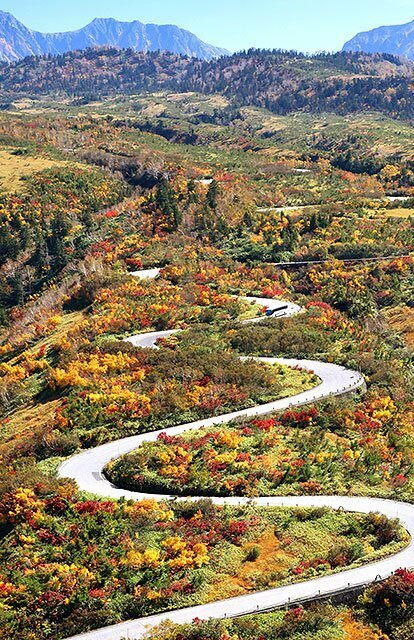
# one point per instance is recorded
(313, 222)
(167, 212)
(290, 237)
(212, 195)
(59, 229)
(9, 244)
(40, 257)
(192, 195)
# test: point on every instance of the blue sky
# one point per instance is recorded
(306, 25)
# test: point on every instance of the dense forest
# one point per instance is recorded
(277, 80)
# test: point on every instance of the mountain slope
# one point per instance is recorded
(397, 40)
(17, 41)
(282, 82)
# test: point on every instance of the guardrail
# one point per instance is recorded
(289, 604)
(357, 382)
(318, 595)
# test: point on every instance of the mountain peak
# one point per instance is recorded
(5, 15)
(112, 21)
(394, 39)
(17, 41)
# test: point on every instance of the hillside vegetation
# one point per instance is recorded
(228, 200)
(280, 81)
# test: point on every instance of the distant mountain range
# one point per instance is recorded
(397, 40)
(17, 41)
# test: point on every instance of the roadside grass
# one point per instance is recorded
(319, 622)
(293, 547)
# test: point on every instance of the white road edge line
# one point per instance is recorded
(87, 467)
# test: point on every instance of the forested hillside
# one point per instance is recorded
(280, 81)
(149, 200)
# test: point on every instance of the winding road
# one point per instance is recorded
(87, 469)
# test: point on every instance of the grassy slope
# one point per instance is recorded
(14, 167)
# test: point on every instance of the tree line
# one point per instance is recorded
(281, 81)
